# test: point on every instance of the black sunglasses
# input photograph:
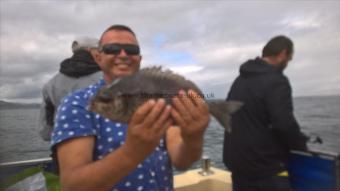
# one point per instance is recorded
(116, 48)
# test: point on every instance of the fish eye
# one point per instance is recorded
(118, 103)
(105, 96)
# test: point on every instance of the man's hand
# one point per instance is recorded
(146, 127)
(191, 114)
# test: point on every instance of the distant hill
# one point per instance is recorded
(11, 105)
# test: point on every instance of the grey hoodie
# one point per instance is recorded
(76, 72)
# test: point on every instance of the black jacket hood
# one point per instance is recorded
(257, 66)
(80, 64)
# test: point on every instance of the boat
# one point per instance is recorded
(308, 171)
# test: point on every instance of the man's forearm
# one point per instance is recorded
(189, 152)
(100, 175)
(184, 152)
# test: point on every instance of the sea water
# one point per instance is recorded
(20, 140)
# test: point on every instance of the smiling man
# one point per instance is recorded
(97, 154)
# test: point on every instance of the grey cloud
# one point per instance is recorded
(25, 88)
(219, 35)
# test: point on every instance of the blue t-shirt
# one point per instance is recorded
(75, 120)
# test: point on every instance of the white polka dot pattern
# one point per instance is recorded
(74, 120)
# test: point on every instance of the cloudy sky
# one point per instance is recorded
(204, 40)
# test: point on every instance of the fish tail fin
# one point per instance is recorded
(222, 111)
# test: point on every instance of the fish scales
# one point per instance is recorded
(120, 99)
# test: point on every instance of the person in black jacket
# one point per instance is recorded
(264, 130)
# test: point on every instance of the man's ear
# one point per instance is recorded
(96, 56)
(140, 60)
(282, 54)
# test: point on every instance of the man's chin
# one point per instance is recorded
(123, 73)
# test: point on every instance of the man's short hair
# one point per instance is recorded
(276, 45)
(118, 28)
(83, 43)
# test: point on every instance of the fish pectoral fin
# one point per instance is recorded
(222, 111)
(234, 106)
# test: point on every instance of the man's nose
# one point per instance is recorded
(122, 53)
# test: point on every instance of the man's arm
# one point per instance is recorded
(280, 107)
(185, 142)
(79, 172)
(46, 116)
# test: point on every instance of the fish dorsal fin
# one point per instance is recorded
(158, 73)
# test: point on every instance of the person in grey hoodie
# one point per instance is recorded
(75, 72)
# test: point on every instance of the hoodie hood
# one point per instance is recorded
(257, 66)
(80, 64)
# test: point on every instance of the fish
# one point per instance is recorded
(119, 100)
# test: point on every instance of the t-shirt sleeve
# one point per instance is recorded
(72, 120)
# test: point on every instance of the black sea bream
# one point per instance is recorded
(118, 101)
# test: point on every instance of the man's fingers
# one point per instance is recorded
(189, 105)
(194, 103)
(177, 102)
(164, 127)
(142, 112)
(178, 119)
(198, 101)
(154, 113)
(162, 118)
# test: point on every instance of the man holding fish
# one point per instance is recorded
(95, 153)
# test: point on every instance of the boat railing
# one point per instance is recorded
(306, 170)
(26, 162)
